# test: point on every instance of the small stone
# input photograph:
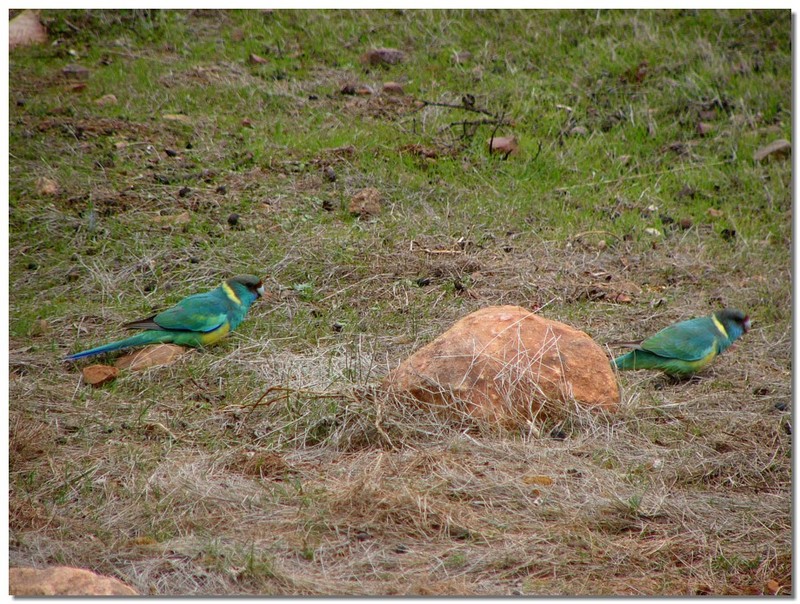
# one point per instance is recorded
(366, 203)
(704, 128)
(47, 186)
(76, 72)
(40, 328)
(97, 375)
(653, 232)
(507, 145)
(26, 29)
(779, 149)
(393, 88)
(108, 99)
(383, 56)
(233, 219)
(171, 152)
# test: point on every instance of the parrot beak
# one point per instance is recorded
(746, 324)
(260, 290)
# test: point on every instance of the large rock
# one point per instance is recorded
(64, 581)
(506, 364)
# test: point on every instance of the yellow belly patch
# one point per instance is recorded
(212, 337)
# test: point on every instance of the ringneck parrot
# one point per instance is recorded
(687, 347)
(197, 320)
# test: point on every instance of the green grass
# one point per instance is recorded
(269, 499)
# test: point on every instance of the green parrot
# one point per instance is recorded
(198, 320)
(687, 347)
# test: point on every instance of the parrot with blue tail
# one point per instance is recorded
(197, 320)
(685, 348)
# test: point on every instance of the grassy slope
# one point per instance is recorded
(164, 480)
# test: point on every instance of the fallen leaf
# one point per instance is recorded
(26, 29)
(714, 212)
(150, 356)
(143, 540)
(779, 149)
(256, 60)
(46, 186)
(366, 203)
(173, 219)
(538, 479)
(108, 99)
(383, 56)
(97, 375)
(773, 587)
(622, 299)
(504, 144)
(364, 90)
(177, 117)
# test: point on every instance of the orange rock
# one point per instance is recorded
(97, 375)
(150, 356)
(64, 581)
(506, 364)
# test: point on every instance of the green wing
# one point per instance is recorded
(200, 312)
(689, 340)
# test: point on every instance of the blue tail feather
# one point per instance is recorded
(137, 340)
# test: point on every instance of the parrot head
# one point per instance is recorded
(735, 321)
(249, 282)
